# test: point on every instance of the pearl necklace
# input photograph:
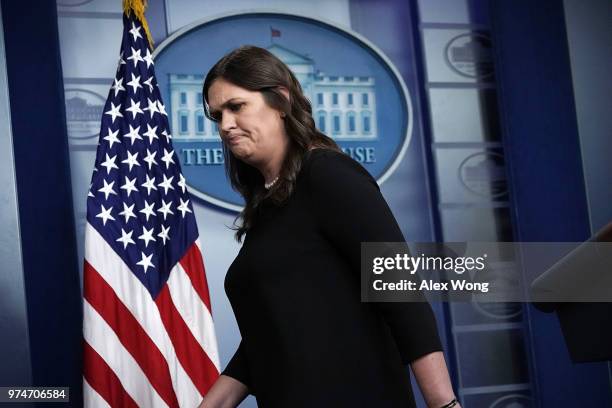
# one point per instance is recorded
(269, 185)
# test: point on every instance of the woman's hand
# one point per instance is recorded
(226, 392)
(432, 376)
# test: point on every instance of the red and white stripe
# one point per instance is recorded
(140, 351)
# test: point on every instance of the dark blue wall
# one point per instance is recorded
(412, 176)
(44, 193)
(544, 162)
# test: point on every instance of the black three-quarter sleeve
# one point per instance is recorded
(238, 368)
(350, 209)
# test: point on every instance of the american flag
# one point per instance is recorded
(149, 339)
(274, 32)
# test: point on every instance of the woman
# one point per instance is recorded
(307, 340)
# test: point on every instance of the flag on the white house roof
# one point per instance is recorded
(149, 339)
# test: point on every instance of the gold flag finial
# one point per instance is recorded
(139, 7)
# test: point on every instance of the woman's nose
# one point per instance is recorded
(228, 123)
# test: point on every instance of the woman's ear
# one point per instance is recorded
(285, 92)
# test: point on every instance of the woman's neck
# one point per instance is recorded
(271, 169)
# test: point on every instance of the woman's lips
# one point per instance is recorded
(232, 140)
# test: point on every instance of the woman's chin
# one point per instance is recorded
(241, 153)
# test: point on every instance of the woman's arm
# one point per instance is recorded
(232, 386)
(226, 392)
(432, 376)
(351, 210)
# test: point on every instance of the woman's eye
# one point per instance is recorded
(235, 107)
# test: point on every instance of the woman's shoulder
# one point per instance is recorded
(323, 156)
(325, 165)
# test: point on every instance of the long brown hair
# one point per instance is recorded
(257, 69)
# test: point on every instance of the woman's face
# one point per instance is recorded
(253, 131)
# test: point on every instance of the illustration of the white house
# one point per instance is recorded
(344, 107)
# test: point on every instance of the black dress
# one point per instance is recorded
(307, 340)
